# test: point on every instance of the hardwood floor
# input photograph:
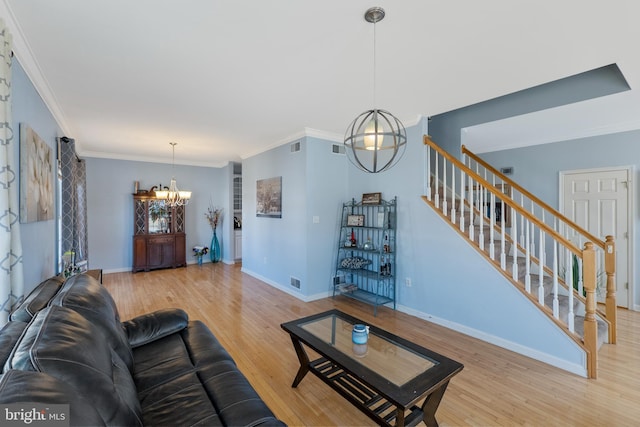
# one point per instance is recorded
(496, 387)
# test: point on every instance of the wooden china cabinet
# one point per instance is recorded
(159, 239)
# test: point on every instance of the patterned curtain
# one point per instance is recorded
(11, 279)
(74, 206)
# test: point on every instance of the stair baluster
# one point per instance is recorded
(569, 280)
(492, 231)
(428, 178)
(471, 210)
(527, 264)
(453, 195)
(541, 268)
(437, 184)
(444, 186)
(462, 193)
(521, 240)
(514, 246)
(479, 186)
(481, 215)
(503, 253)
(556, 303)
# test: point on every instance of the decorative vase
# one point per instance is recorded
(215, 248)
(199, 259)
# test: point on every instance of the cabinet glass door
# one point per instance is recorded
(159, 217)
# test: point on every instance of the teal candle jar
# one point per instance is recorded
(360, 334)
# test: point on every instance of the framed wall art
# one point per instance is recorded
(355, 220)
(269, 197)
(371, 198)
(36, 177)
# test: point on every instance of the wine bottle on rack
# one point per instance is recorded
(353, 239)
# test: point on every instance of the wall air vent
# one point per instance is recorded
(507, 171)
(337, 149)
(295, 282)
(295, 147)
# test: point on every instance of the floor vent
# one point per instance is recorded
(295, 147)
(337, 149)
(295, 282)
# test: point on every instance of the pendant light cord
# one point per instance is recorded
(374, 67)
(173, 159)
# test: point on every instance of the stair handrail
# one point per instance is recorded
(607, 245)
(585, 253)
(556, 213)
(507, 200)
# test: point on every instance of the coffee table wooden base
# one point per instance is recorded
(363, 396)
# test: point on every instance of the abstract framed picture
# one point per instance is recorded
(269, 197)
(36, 177)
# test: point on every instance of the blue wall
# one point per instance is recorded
(314, 183)
(110, 207)
(445, 128)
(38, 238)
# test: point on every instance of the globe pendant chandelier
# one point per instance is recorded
(376, 139)
(174, 197)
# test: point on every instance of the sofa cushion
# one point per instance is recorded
(9, 336)
(149, 327)
(85, 295)
(37, 299)
(67, 346)
(192, 370)
(41, 389)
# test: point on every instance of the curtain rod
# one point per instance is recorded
(66, 140)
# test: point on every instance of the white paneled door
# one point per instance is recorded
(598, 200)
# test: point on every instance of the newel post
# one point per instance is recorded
(610, 269)
(590, 324)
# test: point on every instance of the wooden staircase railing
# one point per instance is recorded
(606, 259)
(551, 257)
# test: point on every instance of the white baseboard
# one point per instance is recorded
(578, 369)
(286, 289)
(189, 262)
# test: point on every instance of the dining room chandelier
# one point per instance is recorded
(174, 197)
(376, 139)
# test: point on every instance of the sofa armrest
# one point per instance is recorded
(150, 327)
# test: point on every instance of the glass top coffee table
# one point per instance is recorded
(385, 378)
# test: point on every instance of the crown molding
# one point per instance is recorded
(320, 134)
(147, 159)
(23, 53)
(306, 132)
(627, 126)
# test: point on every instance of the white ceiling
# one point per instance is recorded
(227, 79)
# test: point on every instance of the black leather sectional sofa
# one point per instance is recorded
(66, 344)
